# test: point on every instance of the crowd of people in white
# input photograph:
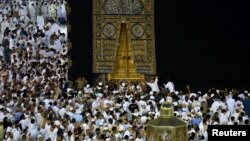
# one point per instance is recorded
(38, 104)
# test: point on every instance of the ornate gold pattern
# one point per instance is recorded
(124, 67)
(109, 30)
(137, 30)
(167, 127)
(142, 46)
(121, 7)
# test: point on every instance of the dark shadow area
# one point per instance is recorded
(202, 43)
(81, 38)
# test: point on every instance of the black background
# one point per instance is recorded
(204, 43)
(228, 128)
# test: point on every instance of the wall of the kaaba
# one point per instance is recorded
(203, 43)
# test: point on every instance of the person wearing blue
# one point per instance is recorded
(78, 118)
(196, 120)
(246, 104)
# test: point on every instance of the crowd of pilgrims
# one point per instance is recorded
(38, 102)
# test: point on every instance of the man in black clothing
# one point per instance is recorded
(133, 106)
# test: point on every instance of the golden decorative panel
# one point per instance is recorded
(1, 131)
(108, 16)
(121, 7)
(167, 127)
(124, 67)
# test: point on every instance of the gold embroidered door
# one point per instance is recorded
(112, 21)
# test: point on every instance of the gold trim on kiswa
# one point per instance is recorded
(142, 45)
(124, 67)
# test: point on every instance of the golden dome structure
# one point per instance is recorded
(167, 127)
